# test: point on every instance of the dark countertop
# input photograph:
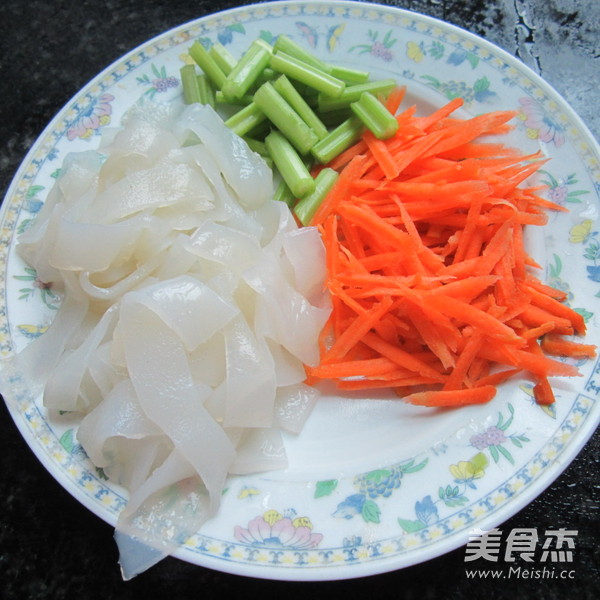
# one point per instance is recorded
(53, 548)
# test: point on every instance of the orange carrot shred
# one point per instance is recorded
(447, 398)
(543, 393)
(395, 99)
(558, 346)
(431, 285)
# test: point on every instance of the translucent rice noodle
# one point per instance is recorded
(191, 303)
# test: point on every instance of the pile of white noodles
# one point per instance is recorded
(191, 302)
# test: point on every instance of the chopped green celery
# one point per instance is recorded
(310, 95)
(307, 206)
(260, 148)
(338, 140)
(375, 116)
(207, 94)
(189, 82)
(243, 101)
(284, 44)
(246, 119)
(285, 118)
(206, 62)
(289, 164)
(247, 70)
(350, 76)
(307, 74)
(257, 146)
(333, 118)
(284, 194)
(224, 59)
(263, 44)
(261, 130)
(352, 93)
(291, 95)
(267, 75)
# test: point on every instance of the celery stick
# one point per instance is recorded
(260, 148)
(267, 75)
(285, 118)
(207, 94)
(257, 146)
(246, 71)
(189, 82)
(352, 93)
(284, 194)
(289, 164)
(307, 74)
(245, 119)
(350, 76)
(261, 130)
(284, 44)
(338, 140)
(307, 206)
(206, 62)
(333, 118)
(310, 95)
(224, 59)
(263, 44)
(375, 116)
(291, 95)
(243, 101)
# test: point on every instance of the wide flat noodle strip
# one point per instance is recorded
(191, 302)
(171, 399)
(244, 170)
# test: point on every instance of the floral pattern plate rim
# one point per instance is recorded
(391, 485)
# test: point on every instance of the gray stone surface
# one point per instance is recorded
(53, 548)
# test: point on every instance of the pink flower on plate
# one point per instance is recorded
(92, 118)
(273, 530)
(538, 124)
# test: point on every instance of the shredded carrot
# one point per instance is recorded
(543, 393)
(479, 395)
(395, 99)
(433, 291)
(558, 346)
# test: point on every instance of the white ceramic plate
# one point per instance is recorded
(379, 484)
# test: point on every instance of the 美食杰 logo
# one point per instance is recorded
(525, 553)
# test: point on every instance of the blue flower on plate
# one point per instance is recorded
(225, 35)
(426, 511)
(350, 507)
(594, 273)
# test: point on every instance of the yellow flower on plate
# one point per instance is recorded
(272, 516)
(184, 57)
(414, 52)
(517, 485)
(499, 499)
(248, 491)
(532, 133)
(579, 234)
(302, 522)
(467, 470)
